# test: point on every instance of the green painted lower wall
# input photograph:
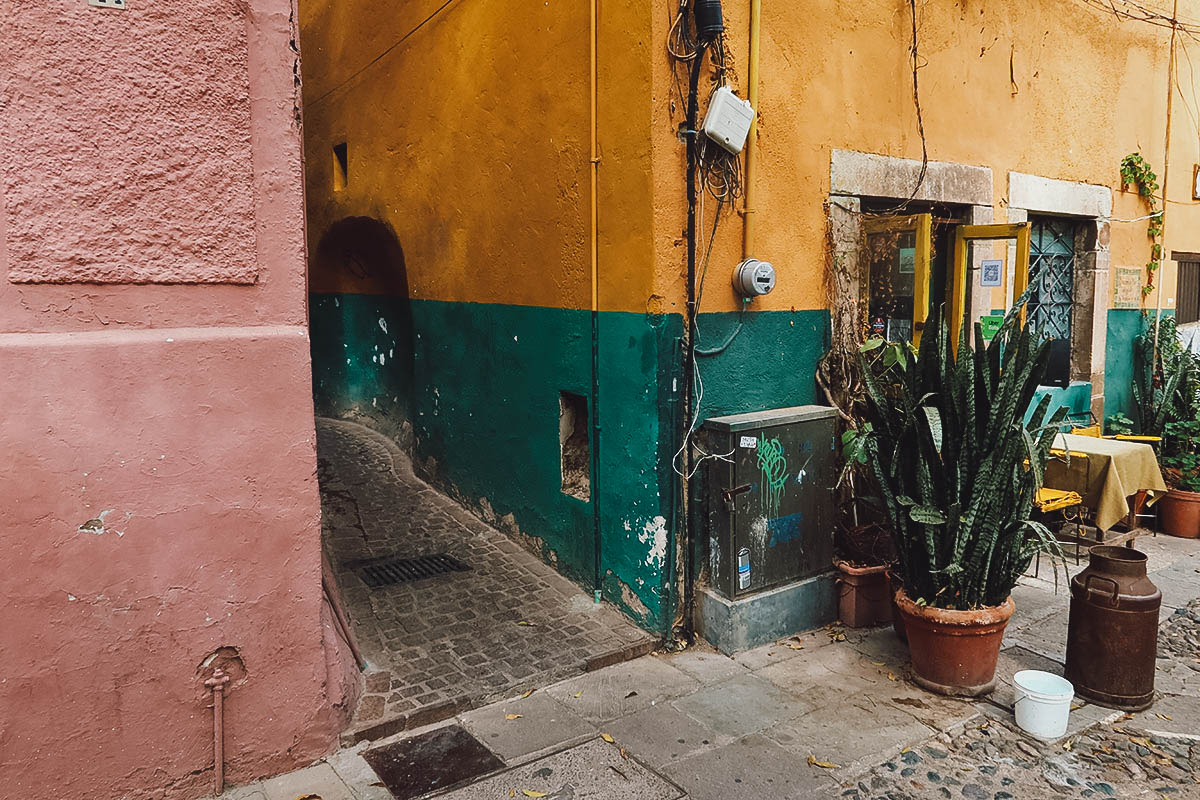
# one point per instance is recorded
(770, 363)
(1124, 325)
(481, 394)
(362, 358)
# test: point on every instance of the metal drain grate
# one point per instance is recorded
(401, 570)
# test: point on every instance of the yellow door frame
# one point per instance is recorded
(970, 233)
(921, 226)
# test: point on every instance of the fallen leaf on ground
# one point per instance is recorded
(606, 738)
(905, 750)
(511, 717)
(891, 676)
(1067, 744)
(533, 793)
(1167, 717)
(824, 764)
(529, 692)
(624, 753)
(527, 624)
(795, 646)
(578, 694)
(841, 637)
(877, 663)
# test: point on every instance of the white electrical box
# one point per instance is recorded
(728, 119)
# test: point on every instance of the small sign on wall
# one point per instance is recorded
(1127, 290)
(990, 270)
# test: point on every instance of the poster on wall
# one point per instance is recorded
(1127, 288)
(908, 260)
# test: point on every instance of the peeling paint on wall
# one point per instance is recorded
(654, 535)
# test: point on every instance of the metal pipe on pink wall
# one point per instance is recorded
(217, 684)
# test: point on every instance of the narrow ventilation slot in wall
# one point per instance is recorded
(573, 445)
(341, 167)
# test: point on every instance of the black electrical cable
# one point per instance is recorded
(689, 586)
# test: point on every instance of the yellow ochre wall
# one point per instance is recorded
(469, 135)
(1047, 87)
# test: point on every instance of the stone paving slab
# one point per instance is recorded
(595, 770)
(705, 664)
(828, 674)
(858, 735)
(622, 689)
(1170, 715)
(750, 767)
(743, 705)
(516, 728)
(319, 779)
(662, 734)
(442, 644)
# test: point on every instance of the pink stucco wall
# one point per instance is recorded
(158, 478)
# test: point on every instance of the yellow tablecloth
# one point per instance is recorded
(1107, 476)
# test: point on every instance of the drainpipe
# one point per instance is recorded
(594, 179)
(1166, 169)
(217, 684)
(749, 210)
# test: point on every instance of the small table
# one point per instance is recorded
(1109, 473)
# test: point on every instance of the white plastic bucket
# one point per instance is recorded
(1043, 703)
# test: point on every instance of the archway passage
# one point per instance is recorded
(361, 326)
(448, 612)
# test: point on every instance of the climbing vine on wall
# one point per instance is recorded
(1136, 172)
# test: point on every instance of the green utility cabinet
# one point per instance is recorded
(769, 499)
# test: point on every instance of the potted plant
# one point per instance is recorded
(958, 467)
(1179, 510)
(864, 553)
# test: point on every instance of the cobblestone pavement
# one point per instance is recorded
(456, 640)
(826, 714)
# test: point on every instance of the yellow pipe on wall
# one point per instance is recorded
(595, 163)
(748, 218)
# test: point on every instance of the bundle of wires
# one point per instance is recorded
(720, 170)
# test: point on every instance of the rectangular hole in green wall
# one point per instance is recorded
(574, 450)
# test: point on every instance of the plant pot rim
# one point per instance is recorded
(847, 567)
(988, 615)
(1184, 494)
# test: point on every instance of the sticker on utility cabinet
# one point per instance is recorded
(749, 442)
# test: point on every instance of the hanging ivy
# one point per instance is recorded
(1136, 172)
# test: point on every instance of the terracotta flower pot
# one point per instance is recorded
(1179, 513)
(863, 599)
(894, 585)
(954, 652)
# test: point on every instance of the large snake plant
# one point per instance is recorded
(958, 465)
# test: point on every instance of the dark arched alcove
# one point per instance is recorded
(361, 326)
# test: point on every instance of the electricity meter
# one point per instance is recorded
(753, 278)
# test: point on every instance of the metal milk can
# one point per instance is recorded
(1112, 636)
